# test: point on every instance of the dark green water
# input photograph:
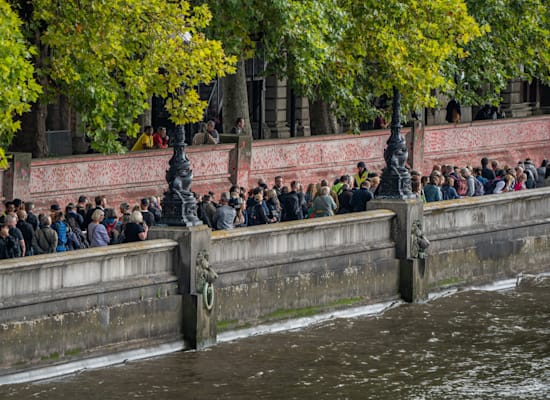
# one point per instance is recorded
(470, 345)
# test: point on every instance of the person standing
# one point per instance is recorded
(145, 141)
(97, 233)
(45, 238)
(225, 215)
(148, 216)
(211, 130)
(11, 220)
(26, 229)
(432, 192)
(361, 197)
(238, 128)
(135, 230)
(323, 205)
(160, 139)
(361, 175)
(8, 244)
(291, 204)
(209, 136)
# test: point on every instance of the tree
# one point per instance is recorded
(516, 45)
(17, 85)
(109, 57)
(402, 44)
(295, 38)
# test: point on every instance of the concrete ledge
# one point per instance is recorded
(486, 213)
(318, 236)
(30, 276)
(46, 260)
(62, 307)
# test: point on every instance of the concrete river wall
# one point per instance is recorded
(64, 307)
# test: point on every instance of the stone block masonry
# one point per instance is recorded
(61, 307)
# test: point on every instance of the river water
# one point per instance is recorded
(473, 344)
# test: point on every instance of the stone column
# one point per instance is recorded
(275, 107)
(415, 143)
(302, 115)
(17, 179)
(199, 323)
(413, 281)
(243, 161)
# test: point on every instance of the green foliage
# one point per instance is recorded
(516, 45)
(294, 37)
(397, 43)
(302, 41)
(17, 86)
(109, 57)
(348, 52)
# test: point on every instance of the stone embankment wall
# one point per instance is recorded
(61, 307)
(268, 271)
(265, 270)
(482, 239)
(131, 176)
(66, 306)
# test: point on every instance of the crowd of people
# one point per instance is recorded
(447, 182)
(82, 224)
(78, 226)
(262, 205)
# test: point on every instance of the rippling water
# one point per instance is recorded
(470, 345)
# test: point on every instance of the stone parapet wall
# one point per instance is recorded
(269, 269)
(127, 177)
(481, 239)
(310, 159)
(64, 306)
(272, 269)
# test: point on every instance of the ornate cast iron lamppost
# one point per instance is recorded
(179, 206)
(396, 180)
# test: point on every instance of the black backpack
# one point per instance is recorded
(254, 215)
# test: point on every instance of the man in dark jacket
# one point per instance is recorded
(27, 230)
(345, 200)
(290, 202)
(360, 197)
(8, 245)
(487, 172)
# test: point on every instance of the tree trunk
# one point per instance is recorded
(322, 121)
(40, 143)
(40, 109)
(235, 99)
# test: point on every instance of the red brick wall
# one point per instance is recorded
(131, 176)
(506, 140)
(127, 177)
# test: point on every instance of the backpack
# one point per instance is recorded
(254, 215)
(491, 185)
(14, 246)
(461, 186)
(292, 209)
(75, 238)
(479, 189)
(73, 243)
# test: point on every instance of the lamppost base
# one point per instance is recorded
(395, 184)
(179, 212)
